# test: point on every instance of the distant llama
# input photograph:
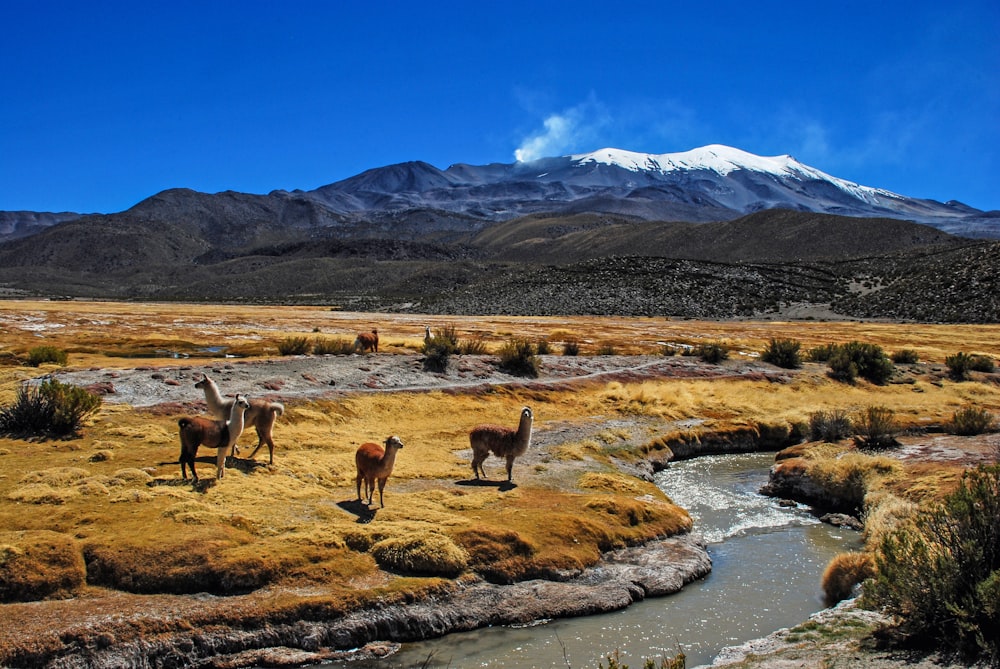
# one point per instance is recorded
(375, 463)
(262, 414)
(218, 434)
(503, 442)
(367, 341)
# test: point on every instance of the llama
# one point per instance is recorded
(218, 434)
(261, 415)
(502, 441)
(375, 462)
(367, 341)
(428, 338)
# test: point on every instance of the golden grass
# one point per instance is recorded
(115, 496)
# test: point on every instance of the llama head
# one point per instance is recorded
(393, 442)
(526, 413)
(202, 382)
(243, 401)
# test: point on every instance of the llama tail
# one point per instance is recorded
(278, 408)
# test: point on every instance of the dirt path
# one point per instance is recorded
(316, 377)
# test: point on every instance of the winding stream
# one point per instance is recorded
(766, 566)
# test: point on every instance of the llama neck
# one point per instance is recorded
(212, 396)
(524, 429)
(389, 459)
(235, 421)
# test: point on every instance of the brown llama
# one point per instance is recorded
(367, 341)
(262, 414)
(375, 463)
(218, 434)
(503, 441)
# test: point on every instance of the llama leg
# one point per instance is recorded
(381, 486)
(477, 465)
(220, 461)
(360, 477)
(510, 467)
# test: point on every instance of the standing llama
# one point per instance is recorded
(375, 462)
(261, 415)
(503, 441)
(218, 434)
(367, 341)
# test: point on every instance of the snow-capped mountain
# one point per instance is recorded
(713, 182)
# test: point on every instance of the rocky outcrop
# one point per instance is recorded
(622, 578)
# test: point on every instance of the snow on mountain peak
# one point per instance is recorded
(723, 160)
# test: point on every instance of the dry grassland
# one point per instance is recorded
(106, 514)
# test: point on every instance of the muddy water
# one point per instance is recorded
(766, 566)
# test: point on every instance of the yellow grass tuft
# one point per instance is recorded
(426, 553)
(843, 573)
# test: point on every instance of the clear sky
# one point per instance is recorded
(103, 104)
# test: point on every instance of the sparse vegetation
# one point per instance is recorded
(970, 420)
(713, 352)
(606, 349)
(40, 355)
(831, 426)
(571, 347)
(518, 357)
(51, 409)
(940, 575)
(849, 361)
(906, 356)
(783, 353)
(959, 366)
(875, 428)
(294, 346)
(339, 346)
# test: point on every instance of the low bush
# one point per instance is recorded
(939, 577)
(333, 347)
(959, 365)
(474, 346)
(436, 355)
(713, 352)
(849, 361)
(294, 346)
(970, 420)
(518, 357)
(831, 426)
(544, 347)
(821, 353)
(50, 409)
(606, 349)
(571, 347)
(40, 355)
(875, 428)
(905, 356)
(783, 353)
(982, 363)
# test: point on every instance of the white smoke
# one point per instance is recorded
(565, 132)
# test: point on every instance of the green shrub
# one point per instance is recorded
(333, 347)
(517, 356)
(939, 576)
(40, 355)
(51, 409)
(875, 428)
(982, 363)
(713, 352)
(905, 356)
(869, 361)
(474, 346)
(606, 349)
(544, 347)
(783, 353)
(294, 346)
(830, 426)
(571, 347)
(437, 352)
(447, 337)
(821, 353)
(970, 420)
(959, 365)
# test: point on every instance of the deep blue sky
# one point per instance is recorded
(103, 104)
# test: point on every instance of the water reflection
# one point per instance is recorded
(767, 561)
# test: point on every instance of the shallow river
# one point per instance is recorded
(766, 567)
